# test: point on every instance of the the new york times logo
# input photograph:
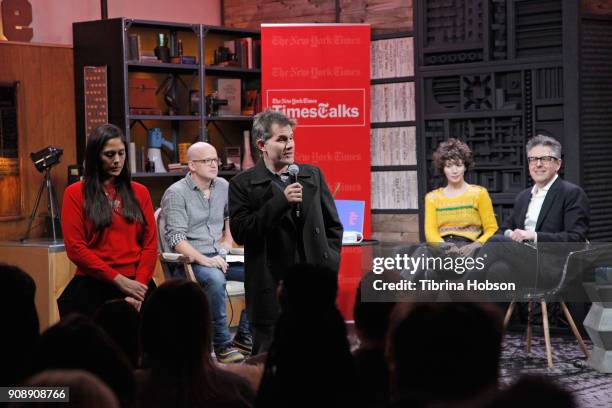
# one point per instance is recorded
(320, 111)
(413, 264)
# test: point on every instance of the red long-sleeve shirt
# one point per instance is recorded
(128, 249)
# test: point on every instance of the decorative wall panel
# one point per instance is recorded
(489, 72)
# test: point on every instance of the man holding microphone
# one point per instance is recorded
(284, 214)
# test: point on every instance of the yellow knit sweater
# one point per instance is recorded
(468, 215)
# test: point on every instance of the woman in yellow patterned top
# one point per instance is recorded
(459, 214)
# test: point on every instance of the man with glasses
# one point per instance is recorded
(553, 210)
(281, 222)
(195, 210)
(551, 218)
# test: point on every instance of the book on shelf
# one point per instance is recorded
(134, 47)
(229, 89)
(141, 159)
(256, 54)
(132, 157)
(392, 58)
(393, 146)
(392, 102)
(249, 51)
(177, 168)
(394, 190)
(244, 52)
(252, 105)
(148, 56)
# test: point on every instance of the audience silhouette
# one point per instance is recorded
(309, 362)
(20, 319)
(176, 339)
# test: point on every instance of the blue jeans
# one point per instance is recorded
(213, 280)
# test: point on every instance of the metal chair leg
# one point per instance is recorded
(570, 320)
(546, 333)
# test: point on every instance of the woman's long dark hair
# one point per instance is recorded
(97, 207)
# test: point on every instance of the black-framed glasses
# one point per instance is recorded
(543, 159)
(208, 162)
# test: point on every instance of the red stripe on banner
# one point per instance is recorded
(319, 75)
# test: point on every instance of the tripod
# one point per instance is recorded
(51, 205)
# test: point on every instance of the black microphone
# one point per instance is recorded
(293, 170)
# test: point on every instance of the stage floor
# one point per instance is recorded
(591, 388)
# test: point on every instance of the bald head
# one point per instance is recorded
(201, 150)
(203, 164)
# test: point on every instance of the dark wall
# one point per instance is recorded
(493, 73)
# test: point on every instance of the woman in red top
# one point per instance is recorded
(109, 229)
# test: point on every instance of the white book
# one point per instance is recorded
(229, 88)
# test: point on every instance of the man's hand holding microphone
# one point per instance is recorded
(293, 192)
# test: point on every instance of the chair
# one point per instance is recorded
(540, 295)
(167, 258)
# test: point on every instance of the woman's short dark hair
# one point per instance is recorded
(452, 150)
(96, 204)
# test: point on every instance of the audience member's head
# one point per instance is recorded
(443, 351)
(176, 324)
(305, 287)
(175, 333)
(310, 350)
(372, 317)
(120, 321)
(20, 321)
(85, 390)
(534, 392)
(372, 313)
(77, 343)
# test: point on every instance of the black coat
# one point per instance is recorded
(261, 220)
(564, 216)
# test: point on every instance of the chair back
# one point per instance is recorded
(162, 245)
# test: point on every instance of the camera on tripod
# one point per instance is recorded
(47, 157)
(43, 161)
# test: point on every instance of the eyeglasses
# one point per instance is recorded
(543, 159)
(208, 162)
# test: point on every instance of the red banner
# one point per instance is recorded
(319, 75)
